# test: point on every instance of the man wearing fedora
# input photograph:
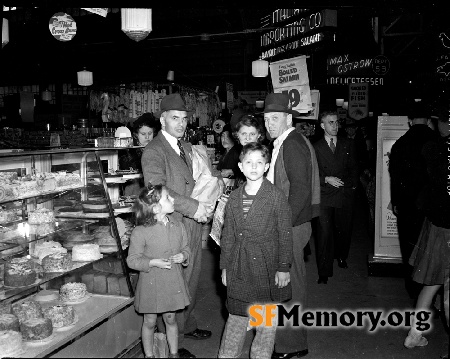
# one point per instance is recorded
(338, 180)
(167, 160)
(294, 170)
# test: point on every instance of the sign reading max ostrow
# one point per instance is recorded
(62, 26)
(291, 77)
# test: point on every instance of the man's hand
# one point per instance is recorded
(224, 277)
(201, 215)
(177, 258)
(282, 279)
(334, 181)
(226, 173)
(160, 263)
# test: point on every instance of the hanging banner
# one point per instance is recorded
(358, 100)
(99, 11)
(291, 77)
(315, 102)
(62, 26)
(230, 96)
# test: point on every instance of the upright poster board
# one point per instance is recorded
(386, 244)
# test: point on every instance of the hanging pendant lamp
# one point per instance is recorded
(260, 68)
(136, 23)
(5, 33)
(84, 78)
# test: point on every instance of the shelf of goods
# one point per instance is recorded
(60, 227)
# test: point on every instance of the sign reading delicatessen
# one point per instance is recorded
(350, 68)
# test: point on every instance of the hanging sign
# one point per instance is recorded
(230, 96)
(291, 77)
(358, 100)
(315, 101)
(99, 11)
(62, 26)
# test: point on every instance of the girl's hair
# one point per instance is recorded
(249, 121)
(144, 204)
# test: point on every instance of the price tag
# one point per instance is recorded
(55, 140)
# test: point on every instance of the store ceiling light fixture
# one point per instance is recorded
(260, 68)
(85, 78)
(46, 95)
(5, 33)
(136, 23)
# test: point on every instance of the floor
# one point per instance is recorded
(348, 289)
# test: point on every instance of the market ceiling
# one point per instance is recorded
(201, 45)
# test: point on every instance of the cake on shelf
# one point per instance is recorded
(73, 238)
(8, 233)
(46, 296)
(10, 343)
(60, 315)
(27, 310)
(36, 329)
(86, 252)
(41, 215)
(72, 291)
(64, 179)
(43, 249)
(57, 262)
(9, 322)
(5, 308)
(8, 176)
(8, 215)
(19, 272)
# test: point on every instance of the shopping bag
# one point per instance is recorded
(207, 188)
(218, 219)
(160, 346)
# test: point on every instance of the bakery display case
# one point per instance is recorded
(64, 233)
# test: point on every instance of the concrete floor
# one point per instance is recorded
(348, 289)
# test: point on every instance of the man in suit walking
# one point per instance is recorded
(167, 160)
(294, 170)
(338, 172)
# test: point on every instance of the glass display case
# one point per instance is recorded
(62, 221)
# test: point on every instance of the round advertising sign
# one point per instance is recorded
(62, 26)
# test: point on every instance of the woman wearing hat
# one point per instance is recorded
(144, 129)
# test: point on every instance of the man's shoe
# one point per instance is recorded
(198, 334)
(184, 353)
(298, 354)
(322, 279)
(342, 263)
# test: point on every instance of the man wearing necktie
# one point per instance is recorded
(168, 161)
(338, 172)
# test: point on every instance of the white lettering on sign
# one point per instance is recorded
(374, 81)
(309, 40)
(354, 65)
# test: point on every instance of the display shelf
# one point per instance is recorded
(42, 278)
(90, 313)
(42, 194)
(32, 236)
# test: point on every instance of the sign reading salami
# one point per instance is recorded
(291, 77)
(358, 100)
(62, 26)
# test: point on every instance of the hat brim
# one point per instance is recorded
(291, 112)
(158, 114)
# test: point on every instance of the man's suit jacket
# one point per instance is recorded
(341, 164)
(162, 165)
(293, 175)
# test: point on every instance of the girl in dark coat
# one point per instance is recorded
(158, 248)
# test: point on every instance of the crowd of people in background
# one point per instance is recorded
(293, 181)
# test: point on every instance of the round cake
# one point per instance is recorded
(36, 329)
(41, 215)
(9, 322)
(71, 292)
(86, 252)
(60, 315)
(27, 310)
(19, 272)
(57, 262)
(10, 343)
(42, 250)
